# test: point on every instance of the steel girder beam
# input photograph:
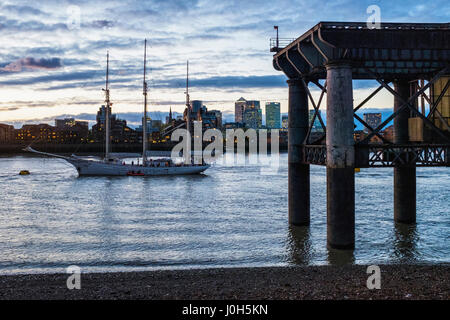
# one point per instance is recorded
(309, 53)
(282, 64)
(316, 115)
(421, 92)
(365, 124)
(295, 65)
(368, 98)
(433, 107)
(362, 121)
(406, 104)
(292, 64)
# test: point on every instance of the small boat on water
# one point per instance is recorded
(135, 174)
(110, 166)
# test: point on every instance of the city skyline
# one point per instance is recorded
(54, 64)
(134, 119)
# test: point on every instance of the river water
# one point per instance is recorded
(229, 216)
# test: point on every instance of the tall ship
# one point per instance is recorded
(111, 166)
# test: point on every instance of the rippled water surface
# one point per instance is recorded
(230, 216)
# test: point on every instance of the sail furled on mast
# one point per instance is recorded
(107, 111)
(188, 102)
(144, 124)
(187, 156)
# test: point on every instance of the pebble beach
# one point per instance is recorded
(348, 282)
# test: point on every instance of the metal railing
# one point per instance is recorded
(315, 154)
(419, 156)
(276, 44)
(386, 155)
(385, 26)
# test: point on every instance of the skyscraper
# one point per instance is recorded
(317, 127)
(372, 119)
(239, 108)
(252, 114)
(120, 132)
(211, 118)
(273, 115)
(285, 122)
(196, 105)
(248, 113)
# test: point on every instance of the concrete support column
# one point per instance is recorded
(404, 176)
(299, 197)
(340, 157)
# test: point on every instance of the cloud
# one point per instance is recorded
(32, 64)
(25, 104)
(267, 81)
(9, 108)
(206, 37)
(365, 84)
(101, 24)
(79, 75)
(85, 80)
(142, 13)
(15, 26)
(22, 10)
(66, 103)
(45, 51)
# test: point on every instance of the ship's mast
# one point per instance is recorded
(144, 124)
(107, 108)
(188, 103)
(188, 116)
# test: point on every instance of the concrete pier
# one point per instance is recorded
(340, 157)
(299, 190)
(404, 176)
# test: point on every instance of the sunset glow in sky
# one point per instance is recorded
(53, 53)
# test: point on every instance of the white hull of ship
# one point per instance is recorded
(100, 168)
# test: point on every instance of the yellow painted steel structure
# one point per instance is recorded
(415, 129)
(444, 104)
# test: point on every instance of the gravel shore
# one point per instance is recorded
(309, 282)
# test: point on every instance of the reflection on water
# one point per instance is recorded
(230, 216)
(340, 257)
(405, 243)
(299, 245)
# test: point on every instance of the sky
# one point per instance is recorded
(53, 53)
